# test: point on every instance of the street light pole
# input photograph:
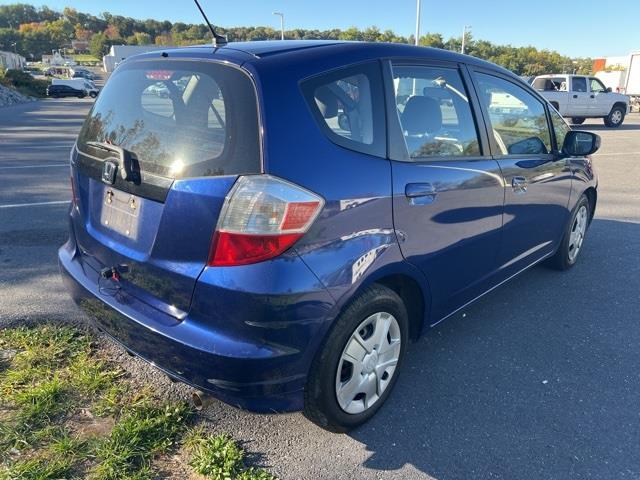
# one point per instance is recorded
(417, 39)
(281, 15)
(464, 36)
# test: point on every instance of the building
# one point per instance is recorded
(57, 60)
(80, 46)
(118, 53)
(12, 61)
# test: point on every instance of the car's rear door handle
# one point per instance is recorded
(519, 184)
(575, 96)
(420, 193)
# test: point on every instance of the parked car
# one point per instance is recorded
(275, 233)
(60, 91)
(83, 74)
(79, 84)
(579, 97)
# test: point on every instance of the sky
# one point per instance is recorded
(587, 29)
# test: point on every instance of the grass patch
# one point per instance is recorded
(143, 430)
(220, 458)
(68, 412)
(84, 57)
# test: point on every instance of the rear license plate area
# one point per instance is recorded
(121, 213)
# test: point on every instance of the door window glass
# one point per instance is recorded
(560, 127)
(579, 84)
(517, 118)
(434, 112)
(597, 86)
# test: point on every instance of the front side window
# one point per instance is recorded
(560, 127)
(596, 85)
(434, 112)
(579, 84)
(518, 119)
(349, 106)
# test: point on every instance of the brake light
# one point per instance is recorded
(262, 217)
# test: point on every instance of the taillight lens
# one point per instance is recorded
(262, 217)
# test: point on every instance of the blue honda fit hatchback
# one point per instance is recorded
(272, 222)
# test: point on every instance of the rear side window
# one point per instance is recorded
(348, 104)
(177, 118)
(434, 112)
(579, 84)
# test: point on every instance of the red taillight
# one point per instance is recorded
(262, 217)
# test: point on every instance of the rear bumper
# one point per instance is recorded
(259, 363)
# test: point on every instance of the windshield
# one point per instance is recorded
(177, 118)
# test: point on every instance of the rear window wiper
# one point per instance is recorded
(124, 159)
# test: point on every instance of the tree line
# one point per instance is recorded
(33, 32)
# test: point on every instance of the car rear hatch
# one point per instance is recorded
(158, 153)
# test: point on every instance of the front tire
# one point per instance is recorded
(571, 245)
(577, 120)
(357, 366)
(615, 117)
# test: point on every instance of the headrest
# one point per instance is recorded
(327, 102)
(422, 115)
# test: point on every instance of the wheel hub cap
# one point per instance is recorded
(578, 230)
(368, 363)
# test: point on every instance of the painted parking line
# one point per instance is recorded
(35, 204)
(35, 166)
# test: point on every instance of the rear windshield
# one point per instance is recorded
(177, 118)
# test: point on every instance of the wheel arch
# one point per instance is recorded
(592, 195)
(413, 298)
(620, 104)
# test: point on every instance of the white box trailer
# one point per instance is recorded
(622, 74)
(632, 84)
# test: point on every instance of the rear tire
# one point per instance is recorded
(344, 390)
(577, 120)
(567, 254)
(615, 117)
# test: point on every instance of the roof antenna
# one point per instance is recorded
(218, 40)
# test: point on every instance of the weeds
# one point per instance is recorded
(52, 379)
(220, 458)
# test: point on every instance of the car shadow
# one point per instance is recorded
(538, 380)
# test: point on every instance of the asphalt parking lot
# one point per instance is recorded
(538, 380)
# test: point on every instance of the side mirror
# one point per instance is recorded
(608, 90)
(578, 143)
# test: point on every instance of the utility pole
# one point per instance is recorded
(281, 15)
(417, 39)
(464, 36)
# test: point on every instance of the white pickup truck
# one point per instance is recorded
(578, 97)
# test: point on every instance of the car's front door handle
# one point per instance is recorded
(519, 184)
(593, 96)
(575, 96)
(420, 193)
